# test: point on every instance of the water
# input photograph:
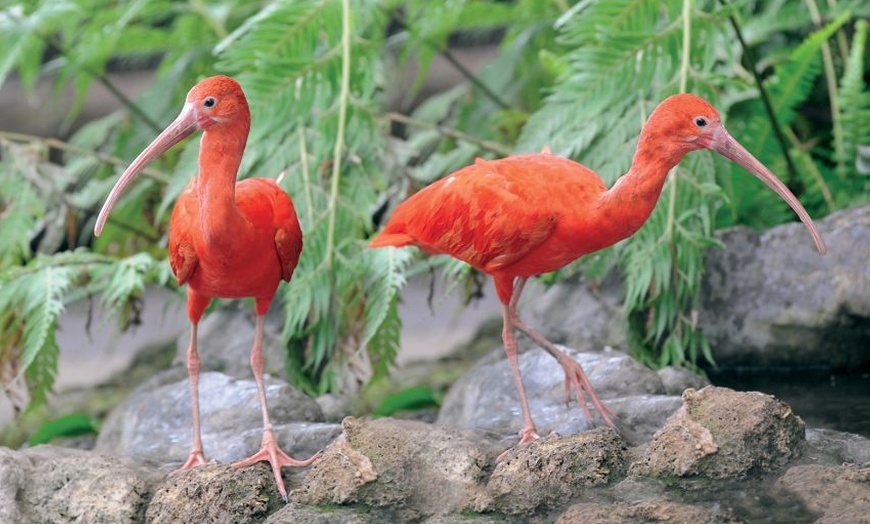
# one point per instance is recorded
(822, 399)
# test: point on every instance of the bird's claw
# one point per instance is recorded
(272, 453)
(196, 458)
(576, 379)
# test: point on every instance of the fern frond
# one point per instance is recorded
(854, 102)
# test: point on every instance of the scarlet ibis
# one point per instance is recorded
(530, 214)
(227, 239)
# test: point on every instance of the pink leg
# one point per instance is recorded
(574, 375)
(196, 456)
(269, 450)
(529, 431)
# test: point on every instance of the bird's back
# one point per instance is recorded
(492, 213)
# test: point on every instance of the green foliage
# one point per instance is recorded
(320, 75)
(413, 398)
(71, 425)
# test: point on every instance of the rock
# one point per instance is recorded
(842, 447)
(769, 299)
(677, 379)
(647, 511)
(154, 422)
(399, 464)
(294, 513)
(721, 433)
(546, 473)
(54, 485)
(216, 493)
(838, 493)
(486, 398)
(225, 339)
(593, 318)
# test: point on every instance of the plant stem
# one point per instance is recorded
(488, 145)
(765, 98)
(831, 81)
(687, 41)
(344, 95)
(478, 83)
(215, 24)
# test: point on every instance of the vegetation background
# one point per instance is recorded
(789, 78)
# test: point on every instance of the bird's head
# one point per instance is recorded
(216, 103)
(685, 122)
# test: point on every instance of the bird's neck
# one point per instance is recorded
(633, 197)
(220, 155)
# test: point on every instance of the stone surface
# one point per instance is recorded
(486, 398)
(647, 512)
(546, 473)
(216, 493)
(769, 299)
(54, 485)
(841, 494)
(154, 422)
(677, 379)
(840, 447)
(721, 433)
(397, 463)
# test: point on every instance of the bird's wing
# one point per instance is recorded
(264, 201)
(484, 215)
(182, 257)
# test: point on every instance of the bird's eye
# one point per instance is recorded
(700, 121)
(209, 102)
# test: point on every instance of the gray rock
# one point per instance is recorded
(550, 471)
(402, 464)
(154, 422)
(839, 493)
(721, 433)
(770, 299)
(225, 339)
(54, 485)
(294, 513)
(841, 447)
(678, 379)
(486, 397)
(582, 315)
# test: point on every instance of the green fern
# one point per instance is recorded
(854, 103)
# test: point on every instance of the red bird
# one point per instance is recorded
(530, 214)
(227, 239)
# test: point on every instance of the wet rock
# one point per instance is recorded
(839, 446)
(486, 398)
(154, 422)
(837, 493)
(677, 379)
(49, 484)
(648, 511)
(721, 433)
(546, 473)
(769, 299)
(216, 493)
(396, 463)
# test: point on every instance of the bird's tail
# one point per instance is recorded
(385, 239)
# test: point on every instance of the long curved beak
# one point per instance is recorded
(727, 146)
(185, 124)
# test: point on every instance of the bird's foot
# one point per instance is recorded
(527, 434)
(196, 458)
(270, 451)
(576, 379)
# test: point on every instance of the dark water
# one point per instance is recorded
(821, 399)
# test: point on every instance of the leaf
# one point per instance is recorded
(71, 425)
(411, 399)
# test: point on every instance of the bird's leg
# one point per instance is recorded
(269, 450)
(529, 432)
(574, 375)
(196, 456)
